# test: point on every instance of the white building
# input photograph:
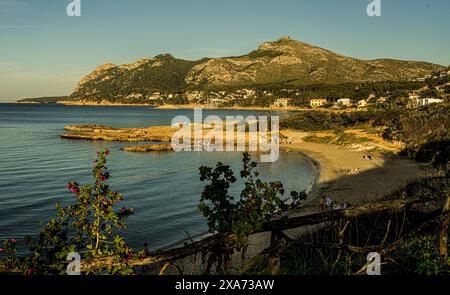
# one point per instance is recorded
(317, 102)
(427, 101)
(344, 101)
(362, 103)
(281, 103)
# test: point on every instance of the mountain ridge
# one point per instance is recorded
(285, 61)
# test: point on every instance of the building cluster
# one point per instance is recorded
(434, 77)
(285, 97)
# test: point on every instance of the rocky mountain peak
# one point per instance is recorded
(94, 74)
(165, 56)
(281, 62)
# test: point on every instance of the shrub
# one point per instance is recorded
(227, 217)
(85, 227)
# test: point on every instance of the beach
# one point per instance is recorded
(374, 179)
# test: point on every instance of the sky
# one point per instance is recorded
(44, 52)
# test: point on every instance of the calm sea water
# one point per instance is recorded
(163, 188)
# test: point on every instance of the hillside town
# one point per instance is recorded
(439, 92)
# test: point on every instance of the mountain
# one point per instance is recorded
(283, 62)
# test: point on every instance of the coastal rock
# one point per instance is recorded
(100, 132)
(149, 148)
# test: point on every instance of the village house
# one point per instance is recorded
(362, 103)
(281, 103)
(216, 102)
(193, 95)
(317, 102)
(344, 101)
(420, 102)
(414, 96)
(428, 101)
(440, 88)
(382, 99)
(135, 95)
(246, 93)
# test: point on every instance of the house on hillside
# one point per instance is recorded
(421, 102)
(344, 102)
(281, 103)
(428, 101)
(216, 102)
(414, 96)
(362, 103)
(317, 102)
(382, 99)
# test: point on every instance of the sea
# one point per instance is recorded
(163, 188)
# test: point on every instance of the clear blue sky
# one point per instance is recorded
(45, 52)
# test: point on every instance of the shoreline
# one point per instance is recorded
(187, 106)
(102, 104)
(375, 179)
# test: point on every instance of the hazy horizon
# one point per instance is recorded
(45, 53)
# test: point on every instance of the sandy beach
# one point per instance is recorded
(375, 178)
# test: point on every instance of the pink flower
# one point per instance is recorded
(14, 241)
(2, 250)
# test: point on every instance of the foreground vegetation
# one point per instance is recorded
(409, 240)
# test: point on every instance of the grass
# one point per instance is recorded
(405, 254)
(341, 139)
